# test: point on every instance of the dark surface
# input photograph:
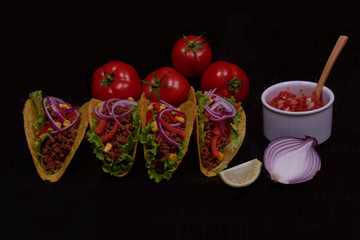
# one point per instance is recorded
(58, 51)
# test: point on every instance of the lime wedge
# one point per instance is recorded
(243, 174)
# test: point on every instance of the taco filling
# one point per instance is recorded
(114, 133)
(218, 120)
(56, 130)
(164, 139)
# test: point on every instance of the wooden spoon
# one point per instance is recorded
(329, 64)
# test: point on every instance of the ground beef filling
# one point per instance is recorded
(165, 148)
(56, 148)
(207, 159)
(119, 139)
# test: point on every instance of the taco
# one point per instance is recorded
(54, 130)
(165, 135)
(221, 126)
(114, 133)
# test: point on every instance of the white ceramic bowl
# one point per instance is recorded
(315, 123)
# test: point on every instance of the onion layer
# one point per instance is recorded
(291, 160)
(161, 131)
(111, 110)
(52, 101)
(220, 109)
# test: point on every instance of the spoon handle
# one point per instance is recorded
(329, 64)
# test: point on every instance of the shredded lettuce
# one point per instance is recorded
(36, 97)
(235, 137)
(151, 149)
(202, 99)
(125, 161)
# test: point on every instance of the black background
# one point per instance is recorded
(56, 48)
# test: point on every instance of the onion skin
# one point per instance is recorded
(291, 160)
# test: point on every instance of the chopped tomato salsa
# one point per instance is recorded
(291, 102)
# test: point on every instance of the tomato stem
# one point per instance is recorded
(235, 84)
(156, 85)
(108, 80)
(194, 45)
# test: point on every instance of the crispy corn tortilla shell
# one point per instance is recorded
(229, 152)
(91, 106)
(30, 116)
(188, 107)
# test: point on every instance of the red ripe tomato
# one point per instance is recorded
(115, 79)
(166, 84)
(228, 79)
(191, 55)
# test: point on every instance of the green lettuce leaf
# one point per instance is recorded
(235, 137)
(36, 97)
(39, 141)
(202, 99)
(38, 144)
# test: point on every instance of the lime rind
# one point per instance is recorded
(243, 174)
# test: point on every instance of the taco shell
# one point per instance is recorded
(91, 106)
(30, 116)
(229, 151)
(188, 107)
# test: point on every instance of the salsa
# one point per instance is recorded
(288, 101)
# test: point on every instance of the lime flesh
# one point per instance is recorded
(243, 174)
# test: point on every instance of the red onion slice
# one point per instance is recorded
(51, 120)
(69, 110)
(48, 115)
(222, 128)
(54, 108)
(168, 105)
(111, 111)
(177, 124)
(107, 102)
(98, 111)
(220, 109)
(291, 160)
(161, 131)
(58, 100)
(122, 103)
(73, 122)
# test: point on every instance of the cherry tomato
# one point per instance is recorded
(166, 84)
(115, 79)
(191, 55)
(228, 79)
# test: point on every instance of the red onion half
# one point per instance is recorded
(291, 160)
